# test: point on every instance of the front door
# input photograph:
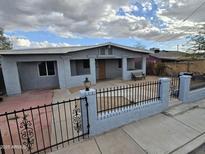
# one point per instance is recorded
(101, 70)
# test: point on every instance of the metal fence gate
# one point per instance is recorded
(44, 128)
(174, 87)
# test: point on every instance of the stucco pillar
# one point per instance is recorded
(93, 70)
(11, 76)
(144, 61)
(164, 90)
(124, 69)
(184, 87)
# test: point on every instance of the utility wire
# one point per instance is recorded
(190, 15)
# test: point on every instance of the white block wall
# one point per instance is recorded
(185, 94)
(108, 121)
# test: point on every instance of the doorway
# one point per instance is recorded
(101, 69)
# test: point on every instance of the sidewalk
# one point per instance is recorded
(179, 130)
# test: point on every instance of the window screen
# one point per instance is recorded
(46, 68)
(86, 64)
(50, 68)
(134, 63)
(42, 69)
(120, 63)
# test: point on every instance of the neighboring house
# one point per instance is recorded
(167, 56)
(65, 67)
(173, 62)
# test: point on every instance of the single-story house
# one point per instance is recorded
(64, 67)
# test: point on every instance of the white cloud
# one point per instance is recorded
(126, 8)
(21, 43)
(98, 18)
(71, 18)
(147, 6)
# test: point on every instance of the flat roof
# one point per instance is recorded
(64, 50)
(169, 55)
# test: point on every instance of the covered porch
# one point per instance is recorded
(119, 68)
(108, 69)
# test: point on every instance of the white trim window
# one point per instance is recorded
(46, 68)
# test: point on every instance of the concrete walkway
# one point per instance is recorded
(179, 130)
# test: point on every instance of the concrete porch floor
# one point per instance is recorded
(179, 130)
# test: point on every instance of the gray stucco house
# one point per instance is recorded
(65, 67)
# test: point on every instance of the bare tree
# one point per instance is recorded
(197, 42)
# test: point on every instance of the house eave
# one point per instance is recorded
(65, 50)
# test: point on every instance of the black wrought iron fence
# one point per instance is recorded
(110, 99)
(43, 128)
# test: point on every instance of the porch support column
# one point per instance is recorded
(144, 61)
(63, 65)
(124, 68)
(93, 70)
(11, 76)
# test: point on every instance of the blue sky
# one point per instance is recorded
(53, 38)
(148, 23)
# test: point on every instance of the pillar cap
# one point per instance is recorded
(87, 93)
(165, 79)
(185, 76)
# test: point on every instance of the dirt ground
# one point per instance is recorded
(112, 83)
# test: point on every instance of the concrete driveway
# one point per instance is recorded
(26, 100)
